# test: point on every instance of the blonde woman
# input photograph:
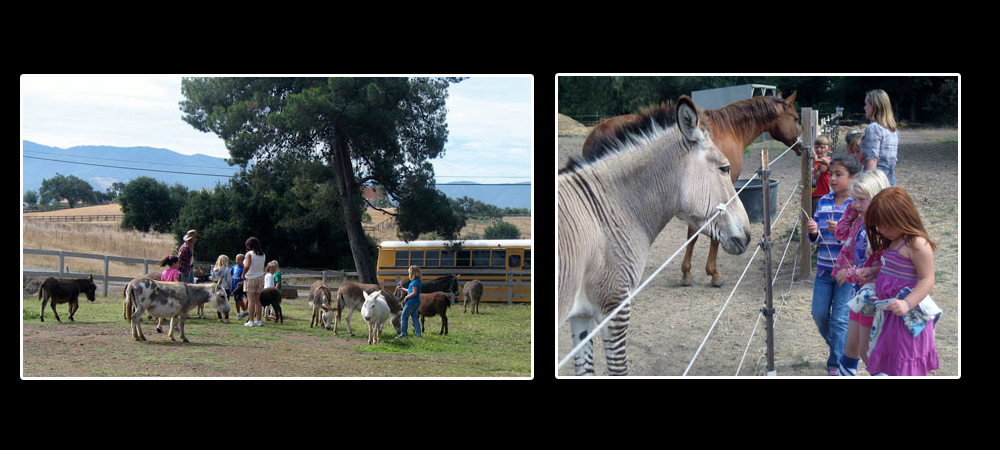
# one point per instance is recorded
(222, 275)
(253, 280)
(411, 304)
(881, 140)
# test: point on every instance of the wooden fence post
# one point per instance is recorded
(106, 273)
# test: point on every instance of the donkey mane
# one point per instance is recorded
(744, 117)
(622, 133)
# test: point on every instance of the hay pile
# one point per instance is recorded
(570, 127)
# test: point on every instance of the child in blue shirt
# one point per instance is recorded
(411, 304)
(239, 297)
(829, 302)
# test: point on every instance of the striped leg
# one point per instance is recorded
(613, 336)
(583, 360)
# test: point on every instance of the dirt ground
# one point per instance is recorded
(671, 325)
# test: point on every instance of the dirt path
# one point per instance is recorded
(670, 322)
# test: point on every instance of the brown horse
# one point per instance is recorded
(733, 127)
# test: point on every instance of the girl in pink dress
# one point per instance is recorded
(855, 265)
(171, 273)
(895, 229)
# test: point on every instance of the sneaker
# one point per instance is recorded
(400, 337)
(834, 371)
(248, 323)
(258, 324)
(846, 371)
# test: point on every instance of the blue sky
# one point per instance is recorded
(489, 120)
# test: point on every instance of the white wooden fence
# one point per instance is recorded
(287, 274)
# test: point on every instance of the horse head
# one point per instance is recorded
(787, 127)
(711, 186)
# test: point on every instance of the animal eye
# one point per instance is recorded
(724, 169)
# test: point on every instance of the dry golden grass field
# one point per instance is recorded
(106, 238)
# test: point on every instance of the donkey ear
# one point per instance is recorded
(687, 118)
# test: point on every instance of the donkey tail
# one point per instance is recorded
(127, 306)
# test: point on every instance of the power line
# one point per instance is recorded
(231, 176)
(131, 168)
(125, 161)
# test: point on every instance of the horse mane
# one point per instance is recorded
(743, 117)
(616, 134)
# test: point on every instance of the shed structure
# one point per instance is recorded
(719, 97)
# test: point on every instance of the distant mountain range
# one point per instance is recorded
(512, 195)
(102, 166)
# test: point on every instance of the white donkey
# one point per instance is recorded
(375, 310)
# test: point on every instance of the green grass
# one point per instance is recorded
(496, 342)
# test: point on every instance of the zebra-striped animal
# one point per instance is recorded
(612, 208)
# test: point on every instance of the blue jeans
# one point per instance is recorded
(410, 312)
(889, 171)
(830, 312)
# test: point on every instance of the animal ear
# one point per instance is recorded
(687, 118)
(791, 98)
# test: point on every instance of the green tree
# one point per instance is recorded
(71, 188)
(30, 198)
(502, 230)
(289, 205)
(149, 204)
(427, 208)
(367, 130)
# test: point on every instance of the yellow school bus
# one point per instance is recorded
(502, 265)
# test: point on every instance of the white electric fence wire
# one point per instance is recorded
(611, 315)
(760, 314)
(719, 210)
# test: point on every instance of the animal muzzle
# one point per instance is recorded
(736, 245)
(733, 232)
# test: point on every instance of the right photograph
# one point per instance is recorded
(834, 200)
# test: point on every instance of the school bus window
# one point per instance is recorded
(462, 258)
(447, 258)
(515, 260)
(527, 259)
(499, 259)
(402, 258)
(480, 258)
(433, 258)
(417, 257)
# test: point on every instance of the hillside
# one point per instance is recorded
(512, 195)
(102, 166)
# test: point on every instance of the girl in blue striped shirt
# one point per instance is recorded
(829, 303)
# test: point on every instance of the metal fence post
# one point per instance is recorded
(768, 309)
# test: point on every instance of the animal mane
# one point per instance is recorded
(625, 132)
(743, 117)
